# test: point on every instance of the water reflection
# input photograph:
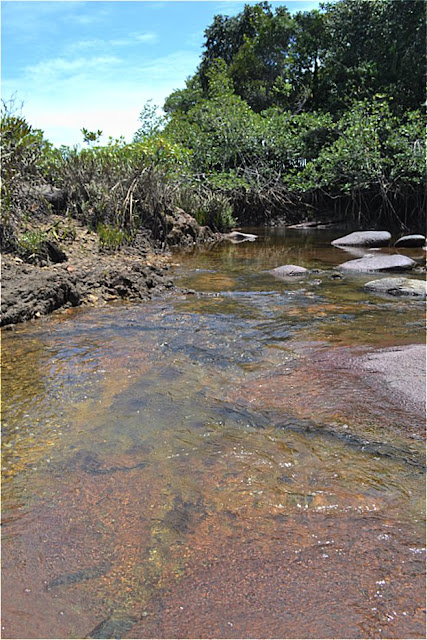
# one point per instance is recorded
(213, 465)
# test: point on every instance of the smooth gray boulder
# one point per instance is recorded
(414, 240)
(237, 236)
(289, 270)
(399, 287)
(378, 263)
(403, 370)
(364, 239)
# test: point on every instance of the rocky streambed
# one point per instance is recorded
(247, 461)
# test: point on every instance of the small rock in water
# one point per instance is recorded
(237, 236)
(289, 270)
(414, 240)
(364, 239)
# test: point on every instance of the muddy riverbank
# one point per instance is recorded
(30, 291)
(80, 272)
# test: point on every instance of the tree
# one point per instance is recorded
(374, 47)
(305, 60)
(217, 129)
(151, 122)
(181, 100)
(324, 105)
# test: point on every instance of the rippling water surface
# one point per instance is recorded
(216, 463)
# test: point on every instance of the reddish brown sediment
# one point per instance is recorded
(216, 466)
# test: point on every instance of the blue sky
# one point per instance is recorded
(95, 64)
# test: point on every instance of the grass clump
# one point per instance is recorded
(111, 238)
(32, 242)
(207, 207)
(215, 212)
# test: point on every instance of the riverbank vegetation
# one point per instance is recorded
(322, 110)
(286, 117)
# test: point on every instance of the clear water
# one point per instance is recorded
(215, 464)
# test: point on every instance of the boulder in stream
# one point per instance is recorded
(364, 239)
(403, 370)
(414, 240)
(378, 263)
(289, 270)
(399, 287)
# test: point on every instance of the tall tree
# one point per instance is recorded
(374, 47)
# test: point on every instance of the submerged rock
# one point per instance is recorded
(358, 252)
(399, 287)
(378, 263)
(289, 270)
(116, 626)
(66, 579)
(364, 239)
(414, 240)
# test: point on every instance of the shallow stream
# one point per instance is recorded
(216, 463)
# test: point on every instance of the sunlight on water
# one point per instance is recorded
(213, 464)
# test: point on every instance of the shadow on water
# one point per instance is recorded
(215, 465)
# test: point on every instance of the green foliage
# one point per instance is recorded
(322, 104)
(373, 151)
(151, 122)
(406, 146)
(91, 136)
(374, 47)
(111, 238)
(22, 151)
(181, 100)
(316, 60)
(117, 185)
(32, 241)
(217, 130)
(209, 208)
(22, 148)
(63, 231)
(216, 212)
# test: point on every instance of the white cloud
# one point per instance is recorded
(31, 20)
(78, 18)
(62, 95)
(158, 4)
(146, 37)
(98, 44)
(116, 115)
(172, 68)
(60, 68)
(79, 46)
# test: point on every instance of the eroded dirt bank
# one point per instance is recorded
(81, 272)
(29, 291)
